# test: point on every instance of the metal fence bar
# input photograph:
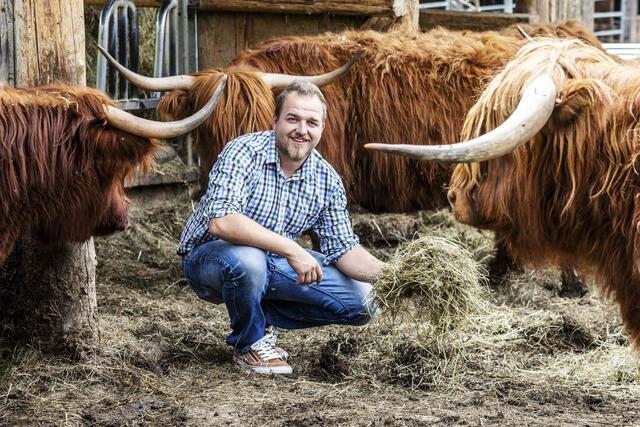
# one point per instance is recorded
(617, 15)
(118, 33)
(176, 47)
(506, 6)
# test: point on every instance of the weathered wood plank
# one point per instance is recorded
(59, 306)
(217, 42)
(559, 10)
(139, 3)
(345, 7)
(469, 20)
(408, 16)
(7, 58)
(223, 35)
(49, 40)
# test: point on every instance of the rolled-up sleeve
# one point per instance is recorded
(226, 193)
(334, 227)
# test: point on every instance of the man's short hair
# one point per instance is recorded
(301, 88)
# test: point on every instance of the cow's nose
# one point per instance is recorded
(451, 196)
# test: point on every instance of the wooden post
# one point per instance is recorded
(48, 293)
(7, 66)
(631, 18)
(346, 7)
(559, 10)
(405, 17)
(408, 14)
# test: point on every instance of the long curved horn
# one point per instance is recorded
(152, 129)
(150, 83)
(276, 81)
(531, 114)
(523, 33)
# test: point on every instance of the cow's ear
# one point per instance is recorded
(578, 97)
(173, 106)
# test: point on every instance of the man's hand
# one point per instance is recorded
(241, 230)
(306, 267)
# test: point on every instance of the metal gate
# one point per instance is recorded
(506, 6)
(175, 48)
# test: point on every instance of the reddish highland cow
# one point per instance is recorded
(558, 179)
(403, 88)
(64, 154)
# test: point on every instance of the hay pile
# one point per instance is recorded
(431, 279)
(163, 360)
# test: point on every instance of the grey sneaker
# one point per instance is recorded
(270, 335)
(263, 359)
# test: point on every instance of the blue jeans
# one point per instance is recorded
(260, 289)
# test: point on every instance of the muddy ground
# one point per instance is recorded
(530, 357)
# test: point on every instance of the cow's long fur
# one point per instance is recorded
(404, 89)
(61, 165)
(571, 193)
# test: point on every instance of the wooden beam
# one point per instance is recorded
(49, 42)
(58, 303)
(408, 18)
(7, 57)
(559, 10)
(139, 3)
(338, 7)
(469, 20)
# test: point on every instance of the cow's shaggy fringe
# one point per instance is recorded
(404, 89)
(570, 193)
(58, 158)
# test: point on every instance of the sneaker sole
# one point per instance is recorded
(278, 370)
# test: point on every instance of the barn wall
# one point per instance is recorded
(470, 20)
(223, 35)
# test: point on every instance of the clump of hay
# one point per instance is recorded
(431, 279)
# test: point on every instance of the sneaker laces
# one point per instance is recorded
(265, 349)
(270, 335)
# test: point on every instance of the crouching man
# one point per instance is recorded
(239, 247)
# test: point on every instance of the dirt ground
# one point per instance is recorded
(529, 357)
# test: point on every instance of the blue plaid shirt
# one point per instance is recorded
(247, 179)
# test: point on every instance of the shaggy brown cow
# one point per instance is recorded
(404, 88)
(571, 192)
(64, 154)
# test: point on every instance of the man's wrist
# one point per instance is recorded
(290, 249)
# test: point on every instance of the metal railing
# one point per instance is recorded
(175, 51)
(118, 33)
(617, 21)
(506, 6)
(176, 39)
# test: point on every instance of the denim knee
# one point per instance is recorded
(217, 264)
(364, 313)
(363, 309)
(247, 268)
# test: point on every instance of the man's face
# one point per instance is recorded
(299, 127)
